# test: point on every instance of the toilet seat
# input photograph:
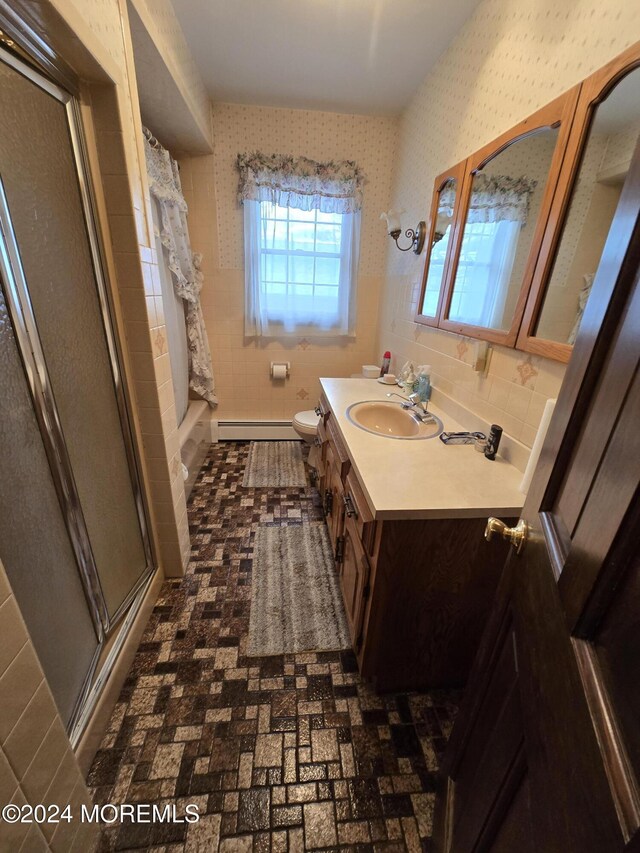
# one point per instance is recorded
(306, 422)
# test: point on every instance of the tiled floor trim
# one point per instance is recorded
(286, 753)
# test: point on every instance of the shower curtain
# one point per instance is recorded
(181, 279)
(175, 323)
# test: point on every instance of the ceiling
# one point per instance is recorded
(363, 56)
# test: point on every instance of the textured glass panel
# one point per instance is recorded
(34, 545)
(38, 170)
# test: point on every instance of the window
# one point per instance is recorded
(484, 270)
(300, 255)
(301, 243)
(304, 260)
(436, 271)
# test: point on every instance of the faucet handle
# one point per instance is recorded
(417, 402)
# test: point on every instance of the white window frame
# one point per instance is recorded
(270, 314)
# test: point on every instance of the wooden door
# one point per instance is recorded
(545, 755)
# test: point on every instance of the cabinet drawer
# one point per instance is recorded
(357, 509)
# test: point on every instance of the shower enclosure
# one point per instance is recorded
(73, 534)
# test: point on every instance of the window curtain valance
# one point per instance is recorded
(165, 187)
(447, 199)
(499, 198)
(331, 187)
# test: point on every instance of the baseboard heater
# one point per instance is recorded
(255, 430)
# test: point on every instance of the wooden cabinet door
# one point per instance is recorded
(354, 580)
(547, 744)
(334, 505)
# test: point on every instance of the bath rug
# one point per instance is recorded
(296, 605)
(274, 465)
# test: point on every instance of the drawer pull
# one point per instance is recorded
(349, 507)
(328, 501)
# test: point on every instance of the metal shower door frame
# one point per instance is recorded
(33, 358)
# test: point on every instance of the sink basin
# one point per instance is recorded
(391, 420)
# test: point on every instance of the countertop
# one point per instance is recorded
(423, 478)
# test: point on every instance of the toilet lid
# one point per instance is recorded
(307, 419)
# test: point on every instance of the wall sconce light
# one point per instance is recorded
(394, 230)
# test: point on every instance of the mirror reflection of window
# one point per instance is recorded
(500, 224)
(605, 163)
(440, 244)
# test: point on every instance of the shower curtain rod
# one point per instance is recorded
(153, 142)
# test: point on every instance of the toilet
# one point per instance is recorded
(306, 425)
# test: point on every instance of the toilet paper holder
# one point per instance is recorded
(277, 369)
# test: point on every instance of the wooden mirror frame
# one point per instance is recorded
(558, 113)
(593, 91)
(457, 172)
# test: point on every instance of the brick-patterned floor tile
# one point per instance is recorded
(284, 753)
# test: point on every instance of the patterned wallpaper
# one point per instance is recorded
(511, 58)
(244, 387)
(369, 140)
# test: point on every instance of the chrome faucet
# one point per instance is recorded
(414, 404)
(406, 404)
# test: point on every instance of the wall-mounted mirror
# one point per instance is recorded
(553, 317)
(444, 209)
(498, 232)
(504, 204)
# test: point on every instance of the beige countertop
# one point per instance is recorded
(423, 478)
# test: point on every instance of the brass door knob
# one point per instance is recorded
(516, 535)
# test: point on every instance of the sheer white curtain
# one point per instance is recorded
(270, 313)
(183, 264)
(302, 238)
(499, 262)
(498, 210)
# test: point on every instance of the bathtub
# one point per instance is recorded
(194, 436)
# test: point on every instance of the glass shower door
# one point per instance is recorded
(35, 546)
(39, 171)
(57, 320)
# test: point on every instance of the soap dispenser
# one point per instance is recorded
(424, 388)
(424, 384)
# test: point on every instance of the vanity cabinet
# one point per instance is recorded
(417, 592)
